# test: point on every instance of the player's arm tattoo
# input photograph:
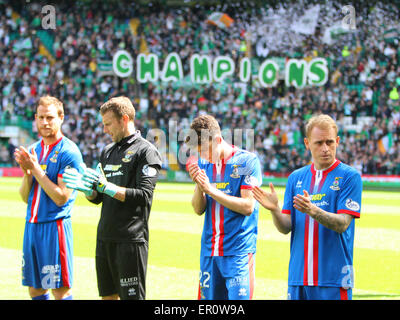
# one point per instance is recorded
(333, 221)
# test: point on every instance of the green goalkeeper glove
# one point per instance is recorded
(99, 181)
(74, 180)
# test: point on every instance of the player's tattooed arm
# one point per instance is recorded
(336, 222)
(333, 221)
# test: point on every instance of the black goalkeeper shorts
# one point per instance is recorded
(121, 269)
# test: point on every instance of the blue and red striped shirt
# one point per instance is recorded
(320, 256)
(226, 232)
(53, 159)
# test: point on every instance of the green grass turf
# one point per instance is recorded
(175, 233)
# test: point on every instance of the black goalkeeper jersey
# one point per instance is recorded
(132, 163)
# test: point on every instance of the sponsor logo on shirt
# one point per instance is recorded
(352, 205)
(318, 196)
(221, 185)
(112, 167)
(322, 203)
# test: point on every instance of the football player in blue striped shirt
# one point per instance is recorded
(47, 244)
(321, 202)
(224, 176)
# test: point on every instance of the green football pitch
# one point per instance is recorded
(174, 247)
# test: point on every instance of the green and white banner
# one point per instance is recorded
(122, 63)
(206, 70)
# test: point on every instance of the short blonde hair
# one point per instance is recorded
(322, 121)
(120, 106)
(46, 101)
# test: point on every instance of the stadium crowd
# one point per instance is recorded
(364, 74)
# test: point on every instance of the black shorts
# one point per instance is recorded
(121, 269)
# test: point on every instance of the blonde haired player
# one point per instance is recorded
(320, 204)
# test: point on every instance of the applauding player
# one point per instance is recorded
(47, 247)
(224, 177)
(320, 204)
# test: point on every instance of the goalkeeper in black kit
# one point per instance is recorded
(123, 182)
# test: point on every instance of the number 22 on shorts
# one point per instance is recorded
(204, 278)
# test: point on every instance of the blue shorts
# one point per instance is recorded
(318, 293)
(47, 254)
(227, 277)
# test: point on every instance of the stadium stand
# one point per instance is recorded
(72, 62)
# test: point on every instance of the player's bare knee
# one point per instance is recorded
(61, 293)
(35, 292)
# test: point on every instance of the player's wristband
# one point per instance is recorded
(110, 189)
